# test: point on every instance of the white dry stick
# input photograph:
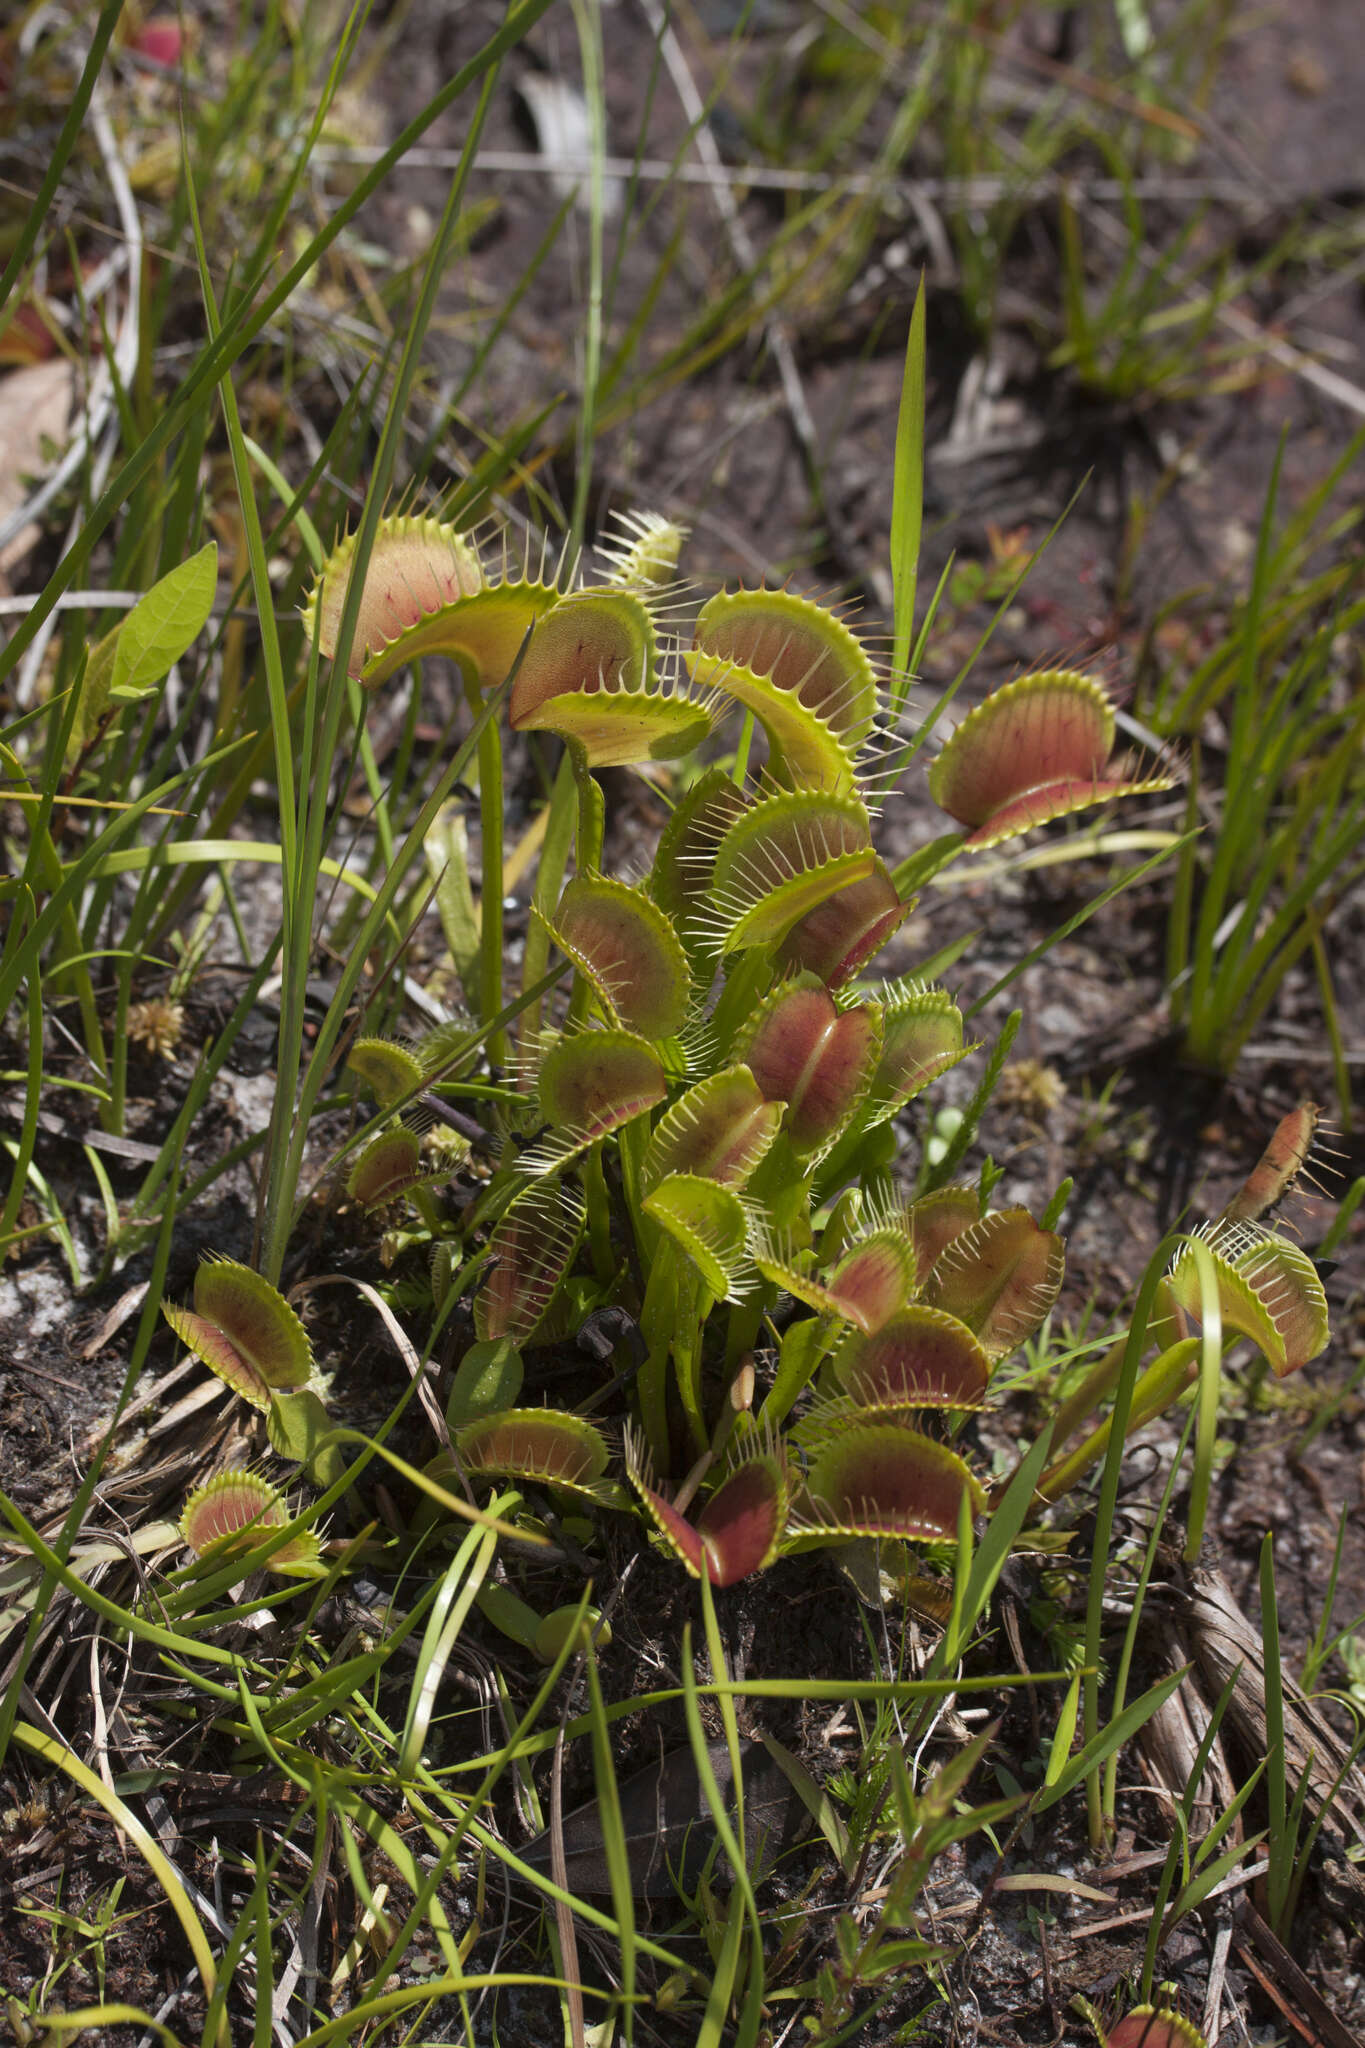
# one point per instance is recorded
(1213, 2004)
(737, 234)
(1340, 389)
(899, 191)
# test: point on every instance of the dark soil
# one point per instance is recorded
(1149, 1142)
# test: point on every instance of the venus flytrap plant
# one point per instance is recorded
(723, 1061)
(227, 1515)
(244, 1330)
(1264, 1288)
(1035, 750)
(1150, 2026)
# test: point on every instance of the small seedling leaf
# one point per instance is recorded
(299, 1427)
(487, 1382)
(164, 623)
(508, 1613)
(574, 1625)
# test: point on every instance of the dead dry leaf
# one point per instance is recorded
(35, 419)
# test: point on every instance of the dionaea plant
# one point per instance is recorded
(1264, 1288)
(1148, 2027)
(1037, 749)
(244, 1330)
(700, 1138)
(707, 1120)
(235, 1511)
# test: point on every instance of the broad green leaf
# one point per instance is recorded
(487, 1381)
(164, 623)
(134, 655)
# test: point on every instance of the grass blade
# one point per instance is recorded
(907, 502)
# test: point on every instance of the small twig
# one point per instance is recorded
(704, 142)
(1340, 389)
(1141, 1915)
(1287, 1986)
(900, 191)
(1213, 2004)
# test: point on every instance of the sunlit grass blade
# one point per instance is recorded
(907, 501)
